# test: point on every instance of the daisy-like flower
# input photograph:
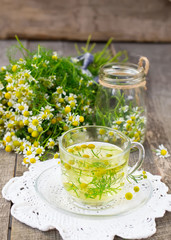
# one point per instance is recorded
(90, 83)
(51, 143)
(54, 56)
(76, 121)
(119, 121)
(3, 68)
(125, 108)
(34, 66)
(36, 56)
(29, 151)
(40, 150)
(162, 152)
(1, 86)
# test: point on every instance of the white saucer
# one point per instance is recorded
(49, 187)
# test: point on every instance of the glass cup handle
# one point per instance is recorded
(140, 158)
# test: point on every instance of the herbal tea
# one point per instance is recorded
(94, 171)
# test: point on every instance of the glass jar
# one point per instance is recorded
(120, 101)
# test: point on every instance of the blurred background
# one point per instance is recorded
(124, 20)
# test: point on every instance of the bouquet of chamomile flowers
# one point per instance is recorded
(43, 95)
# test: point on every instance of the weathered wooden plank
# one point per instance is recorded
(6, 46)
(75, 20)
(7, 167)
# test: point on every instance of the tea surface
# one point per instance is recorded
(94, 172)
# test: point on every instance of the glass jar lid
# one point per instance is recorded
(122, 75)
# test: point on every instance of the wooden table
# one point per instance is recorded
(159, 132)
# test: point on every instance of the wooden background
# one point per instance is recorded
(158, 132)
(125, 20)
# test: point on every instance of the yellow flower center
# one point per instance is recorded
(53, 121)
(39, 151)
(14, 68)
(84, 146)
(25, 160)
(128, 196)
(70, 98)
(70, 118)
(9, 104)
(129, 121)
(9, 80)
(35, 134)
(61, 100)
(18, 94)
(54, 57)
(102, 131)
(83, 185)
(44, 116)
(32, 160)
(70, 150)
(26, 75)
(40, 129)
(26, 122)
(35, 122)
(21, 108)
(26, 113)
(59, 90)
(29, 152)
(81, 119)
(75, 123)
(51, 144)
(72, 104)
(16, 143)
(67, 109)
(7, 95)
(46, 111)
(22, 148)
(163, 152)
(67, 166)
(111, 134)
(21, 124)
(10, 125)
(36, 144)
(86, 156)
(8, 139)
(21, 82)
(136, 189)
(9, 88)
(3, 68)
(118, 122)
(91, 146)
(56, 155)
(65, 128)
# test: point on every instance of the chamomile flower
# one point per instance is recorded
(51, 143)
(76, 121)
(1, 86)
(119, 121)
(162, 151)
(71, 97)
(124, 108)
(55, 56)
(34, 66)
(90, 83)
(3, 68)
(39, 150)
(29, 151)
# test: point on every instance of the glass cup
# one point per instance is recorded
(94, 163)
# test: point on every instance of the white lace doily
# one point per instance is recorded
(32, 210)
